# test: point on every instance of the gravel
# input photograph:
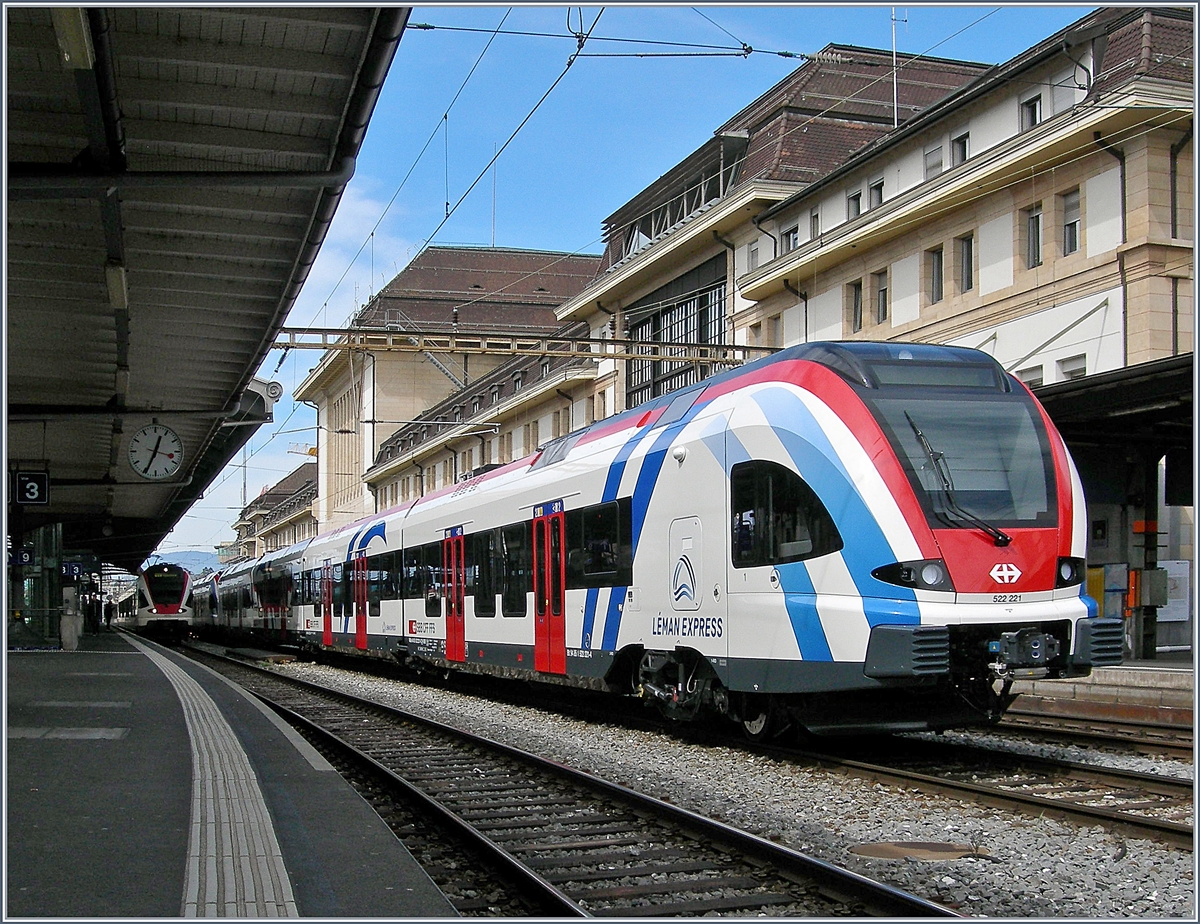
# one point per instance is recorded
(1021, 866)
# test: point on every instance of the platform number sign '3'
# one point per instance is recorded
(33, 488)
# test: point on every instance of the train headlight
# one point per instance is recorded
(1070, 572)
(929, 574)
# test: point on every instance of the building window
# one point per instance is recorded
(1031, 112)
(960, 149)
(790, 239)
(936, 262)
(518, 380)
(1031, 376)
(853, 205)
(545, 368)
(1073, 367)
(854, 295)
(966, 263)
(1070, 213)
(881, 296)
(495, 393)
(752, 257)
(1033, 236)
(933, 162)
(875, 194)
(689, 310)
(476, 404)
(814, 225)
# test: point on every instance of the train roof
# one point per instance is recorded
(864, 364)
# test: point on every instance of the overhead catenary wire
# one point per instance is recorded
(420, 155)
(570, 61)
(742, 50)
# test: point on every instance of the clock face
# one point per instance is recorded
(155, 452)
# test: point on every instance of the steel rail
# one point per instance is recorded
(552, 899)
(1174, 833)
(842, 884)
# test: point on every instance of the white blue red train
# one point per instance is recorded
(164, 601)
(847, 537)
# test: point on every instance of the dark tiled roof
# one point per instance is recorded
(1168, 56)
(284, 488)
(492, 288)
(858, 87)
(807, 125)
(803, 149)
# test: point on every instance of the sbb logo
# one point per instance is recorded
(1005, 573)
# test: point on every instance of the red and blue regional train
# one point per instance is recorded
(164, 601)
(848, 537)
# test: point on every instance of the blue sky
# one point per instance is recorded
(610, 127)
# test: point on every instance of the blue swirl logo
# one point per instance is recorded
(683, 581)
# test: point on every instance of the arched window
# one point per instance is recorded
(777, 518)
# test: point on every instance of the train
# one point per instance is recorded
(164, 601)
(841, 538)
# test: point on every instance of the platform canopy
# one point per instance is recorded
(172, 173)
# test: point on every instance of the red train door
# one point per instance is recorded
(359, 576)
(327, 605)
(549, 589)
(454, 580)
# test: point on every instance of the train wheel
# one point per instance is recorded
(759, 719)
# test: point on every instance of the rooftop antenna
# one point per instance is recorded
(895, 80)
(493, 194)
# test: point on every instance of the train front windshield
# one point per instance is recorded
(165, 586)
(972, 451)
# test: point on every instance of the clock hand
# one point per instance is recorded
(150, 461)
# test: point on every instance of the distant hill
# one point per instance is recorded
(195, 562)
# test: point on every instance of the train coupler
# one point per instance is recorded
(1025, 654)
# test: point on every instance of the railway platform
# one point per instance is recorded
(1161, 691)
(143, 785)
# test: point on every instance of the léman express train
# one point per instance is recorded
(847, 537)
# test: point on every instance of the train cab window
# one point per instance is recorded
(777, 518)
(517, 579)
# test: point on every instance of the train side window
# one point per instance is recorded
(411, 587)
(556, 581)
(599, 545)
(484, 552)
(777, 518)
(517, 578)
(431, 565)
(378, 579)
(340, 593)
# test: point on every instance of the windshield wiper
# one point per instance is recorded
(938, 461)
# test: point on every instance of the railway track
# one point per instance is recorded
(1132, 803)
(1141, 737)
(569, 843)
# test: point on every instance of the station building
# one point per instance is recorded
(280, 516)
(363, 398)
(1040, 210)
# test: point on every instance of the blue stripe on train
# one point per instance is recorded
(866, 547)
(643, 490)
